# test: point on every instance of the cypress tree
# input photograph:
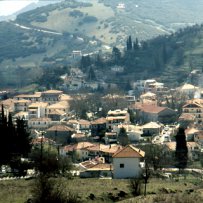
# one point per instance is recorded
(129, 44)
(181, 149)
(23, 138)
(123, 137)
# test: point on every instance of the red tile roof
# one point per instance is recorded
(152, 108)
(99, 121)
(129, 152)
(60, 128)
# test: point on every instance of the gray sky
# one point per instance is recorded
(8, 7)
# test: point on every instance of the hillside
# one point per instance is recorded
(46, 37)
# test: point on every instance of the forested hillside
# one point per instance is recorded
(41, 40)
(168, 58)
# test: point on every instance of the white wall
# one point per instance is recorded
(131, 168)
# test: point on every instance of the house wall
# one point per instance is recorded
(134, 136)
(63, 137)
(95, 174)
(131, 168)
(151, 131)
(167, 116)
(82, 154)
(21, 106)
(148, 117)
(196, 112)
(38, 124)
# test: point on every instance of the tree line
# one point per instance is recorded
(15, 140)
(163, 55)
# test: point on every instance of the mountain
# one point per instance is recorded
(47, 35)
(14, 10)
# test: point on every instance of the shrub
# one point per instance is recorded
(89, 19)
(76, 13)
(49, 190)
(136, 186)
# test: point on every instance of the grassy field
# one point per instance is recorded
(18, 191)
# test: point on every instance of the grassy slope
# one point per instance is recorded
(19, 190)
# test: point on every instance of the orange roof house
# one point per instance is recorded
(126, 162)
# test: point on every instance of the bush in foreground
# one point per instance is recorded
(50, 190)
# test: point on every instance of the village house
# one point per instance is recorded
(60, 133)
(126, 162)
(186, 118)
(98, 170)
(51, 96)
(148, 96)
(73, 124)
(21, 115)
(96, 150)
(36, 97)
(78, 151)
(84, 125)
(148, 113)
(98, 127)
(188, 89)
(110, 137)
(117, 117)
(37, 110)
(194, 107)
(108, 152)
(190, 133)
(152, 128)
(57, 111)
(95, 168)
(130, 99)
(9, 105)
(21, 105)
(78, 137)
(134, 132)
(39, 123)
(57, 115)
(198, 138)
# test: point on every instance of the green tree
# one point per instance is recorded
(15, 141)
(154, 156)
(23, 137)
(181, 153)
(91, 74)
(123, 137)
(136, 45)
(129, 44)
(85, 62)
(47, 161)
(132, 116)
(116, 54)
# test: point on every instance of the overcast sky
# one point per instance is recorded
(7, 7)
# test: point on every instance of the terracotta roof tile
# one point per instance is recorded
(129, 152)
(60, 128)
(99, 121)
(152, 108)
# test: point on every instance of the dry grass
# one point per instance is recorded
(18, 191)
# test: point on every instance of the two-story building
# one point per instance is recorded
(51, 96)
(117, 117)
(21, 105)
(37, 110)
(194, 107)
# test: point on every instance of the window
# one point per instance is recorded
(121, 165)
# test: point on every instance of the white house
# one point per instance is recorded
(126, 162)
(188, 89)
